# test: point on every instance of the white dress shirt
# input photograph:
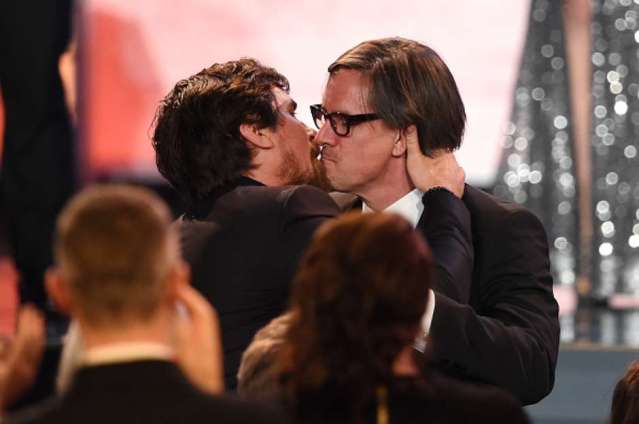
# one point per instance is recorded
(411, 208)
(126, 352)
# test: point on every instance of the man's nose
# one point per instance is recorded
(326, 135)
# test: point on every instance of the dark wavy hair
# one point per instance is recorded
(410, 85)
(357, 301)
(625, 399)
(197, 137)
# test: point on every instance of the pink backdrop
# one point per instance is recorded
(134, 52)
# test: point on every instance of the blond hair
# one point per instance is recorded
(115, 247)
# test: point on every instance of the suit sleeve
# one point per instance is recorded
(445, 224)
(303, 210)
(511, 339)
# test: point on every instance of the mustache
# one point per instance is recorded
(319, 178)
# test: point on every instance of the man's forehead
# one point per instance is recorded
(346, 88)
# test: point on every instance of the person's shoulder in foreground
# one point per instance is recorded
(453, 401)
(179, 403)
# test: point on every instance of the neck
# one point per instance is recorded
(404, 365)
(269, 180)
(388, 188)
(266, 168)
(156, 330)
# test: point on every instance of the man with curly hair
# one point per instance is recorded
(228, 140)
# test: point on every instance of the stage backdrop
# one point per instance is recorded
(132, 53)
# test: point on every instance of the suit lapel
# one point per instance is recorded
(346, 202)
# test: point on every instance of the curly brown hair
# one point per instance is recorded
(357, 301)
(197, 139)
(625, 400)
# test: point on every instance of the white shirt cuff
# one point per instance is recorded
(427, 319)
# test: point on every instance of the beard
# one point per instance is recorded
(311, 173)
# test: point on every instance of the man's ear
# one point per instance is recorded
(179, 275)
(259, 138)
(401, 142)
(58, 290)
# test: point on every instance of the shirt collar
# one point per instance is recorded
(410, 207)
(126, 352)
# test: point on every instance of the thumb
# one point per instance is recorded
(412, 141)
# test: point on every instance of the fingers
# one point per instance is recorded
(412, 142)
(438, 169)
(21, 363)
(30, 321)
(198, 342)
(195, 304)
(30, 334)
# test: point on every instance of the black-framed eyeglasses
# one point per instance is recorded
(340, 122)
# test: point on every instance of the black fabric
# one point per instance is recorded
(433, 399)
(446, 225)
(244, 252)
(38, 161)
(507, 333)
(495, 321)
(141, 392)
(44, 385)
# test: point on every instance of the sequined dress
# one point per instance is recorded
(537, 167)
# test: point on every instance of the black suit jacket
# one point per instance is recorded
(433, 399)
(149, 391)
(497, 321)
(503, 328)
(446, 225)
(243, 247)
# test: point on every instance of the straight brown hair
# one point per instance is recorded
(410, 85)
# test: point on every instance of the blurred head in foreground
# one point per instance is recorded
(117, 263)
(356, 307)
(625, 400)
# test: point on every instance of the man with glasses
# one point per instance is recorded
(390, 119)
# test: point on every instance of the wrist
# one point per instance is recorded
(435, 189)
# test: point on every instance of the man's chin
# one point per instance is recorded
(319, 180)
(317, 176)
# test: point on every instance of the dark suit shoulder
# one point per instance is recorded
(142, 391)
(443, 400)
(283, 206)
(261, 200)
(490, 213)
(478, 200)
(306, 202)
(43, 412)
(198, 409)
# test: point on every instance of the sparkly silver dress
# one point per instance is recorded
(538, 168)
